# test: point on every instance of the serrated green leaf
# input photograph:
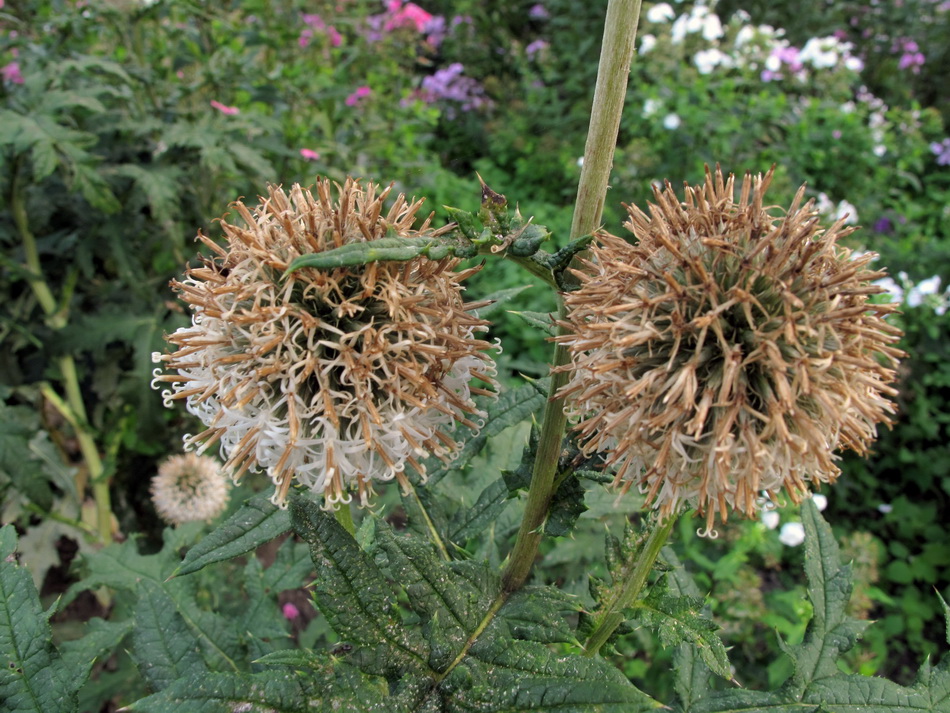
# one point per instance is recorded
(831, 631)
(354, 596)
(299, 659)
(164, 649)
(512, 406)
(498, 299)
(567, 504)
(472, 521)
(541, 614)
(259, 521)
(267, 692)
(449, 595)
(520, 676)
(33, 677)
(677, 620)
(540, 320)
(693, 677)
(99, 641)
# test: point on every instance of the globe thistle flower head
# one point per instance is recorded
(729, 352)
(189, 488)
(334, 378)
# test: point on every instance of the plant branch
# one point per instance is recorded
(620, 30)
(627, 591)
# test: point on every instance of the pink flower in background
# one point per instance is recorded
(355, 97)
(316, 23)
(408, 15)
(309, 154)
(290, 611)
(11, 72)
(224, 109)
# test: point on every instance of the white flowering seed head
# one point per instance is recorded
(729, 352)
(334, 378)
(190, 488)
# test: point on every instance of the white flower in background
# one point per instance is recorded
(707, 60)
(661, 12)
(855, 64)
(647, 43)
(884, 508)
(651, 107)
(712, 27)
(879, 150)
(820, 52)
(893, 289)
(770, 518)
(792, 534)
(678, 30)
(821, 501)
(672, 122)
(924, 288)
(825, 206)
(847, 212)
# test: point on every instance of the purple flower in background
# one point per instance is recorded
(449, 84)
(309, 154)
(911, 56)
(538, 12)
(359, 94)
(535, 47)
(941, 150)
(883, 225)
(290, 611)
(435, 30)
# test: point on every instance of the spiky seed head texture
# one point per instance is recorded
(190, 488)
(729, 352)
(334, 378)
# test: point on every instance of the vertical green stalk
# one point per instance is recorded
(626, 591)
(73, 408)
(620, 30)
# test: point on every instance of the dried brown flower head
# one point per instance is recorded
(729, 352)
(337, 377)
(190, 488)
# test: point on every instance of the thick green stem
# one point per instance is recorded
(620, 30)
(616, 54)
(542, 481)
(626, 592)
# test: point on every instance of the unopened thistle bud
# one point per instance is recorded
(334, 378)
(729, 352)
(190, 488)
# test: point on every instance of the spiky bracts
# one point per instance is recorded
(729, 352)
(334, 378)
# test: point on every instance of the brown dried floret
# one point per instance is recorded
(728, 353)
(334, 378)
